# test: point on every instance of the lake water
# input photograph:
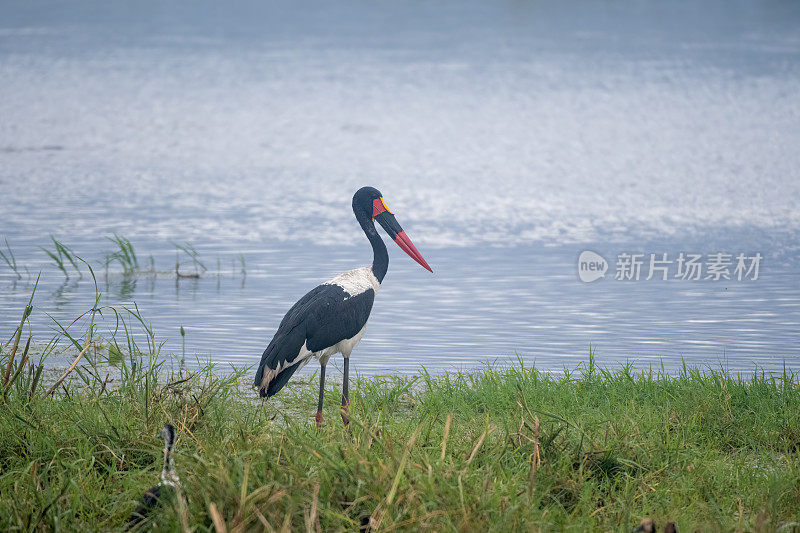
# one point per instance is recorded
(507, 137)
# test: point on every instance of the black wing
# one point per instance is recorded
(153, 498)
(150, 500)
(320, 319)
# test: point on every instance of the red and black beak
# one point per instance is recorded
(386, 219)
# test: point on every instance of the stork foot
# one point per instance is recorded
(319, 418)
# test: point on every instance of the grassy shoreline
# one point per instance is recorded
(500, 449)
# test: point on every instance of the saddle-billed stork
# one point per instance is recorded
(332, 317)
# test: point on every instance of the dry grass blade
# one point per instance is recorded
(263, 520)
(216, 518)
(183, 513)
(243, 492)
(536, 460)
(312, 519)
(478, 444)
(402, 465)
(69, 370)
(475, 449)
(287, 523)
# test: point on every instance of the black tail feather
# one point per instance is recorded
(280, 380)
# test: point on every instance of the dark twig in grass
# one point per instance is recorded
(103, 386)
(189, 250)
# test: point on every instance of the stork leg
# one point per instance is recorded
(346, 391)
(319, 418)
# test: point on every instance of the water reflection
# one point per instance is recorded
(482, 304)
(61, 295)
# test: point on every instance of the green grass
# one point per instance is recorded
(122, 259)
(61, 254)
(499, 449)
(125, 256)
(9, 259)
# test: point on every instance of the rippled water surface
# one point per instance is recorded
(507, 137)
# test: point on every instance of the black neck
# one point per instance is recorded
(380, 257)
(169, 465)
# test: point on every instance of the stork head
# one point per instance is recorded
(368, 203)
